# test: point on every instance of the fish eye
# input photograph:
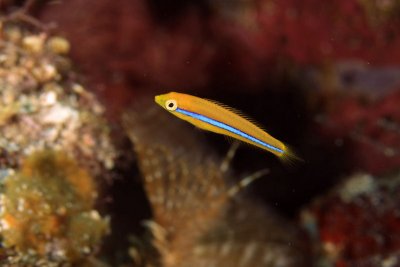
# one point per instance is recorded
(171, 104)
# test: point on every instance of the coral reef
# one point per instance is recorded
(323, 76)
(357, 224)
(47, 212)
(197, 221)
(48, 123)
(42, 104)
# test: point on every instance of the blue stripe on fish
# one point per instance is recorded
(227, 127)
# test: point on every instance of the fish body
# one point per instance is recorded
(212, 116)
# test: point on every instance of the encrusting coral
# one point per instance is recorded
(197, 220)
(48, 123)
(42, 103)
(47, 211)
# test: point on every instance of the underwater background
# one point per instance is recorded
(94, 173)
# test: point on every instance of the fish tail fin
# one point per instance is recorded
(289, 157)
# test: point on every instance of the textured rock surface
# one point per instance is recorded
(54, 149)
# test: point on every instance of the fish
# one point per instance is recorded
(212, 116)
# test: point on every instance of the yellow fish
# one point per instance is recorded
(212, 116)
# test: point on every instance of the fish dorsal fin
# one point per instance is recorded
(237, 112)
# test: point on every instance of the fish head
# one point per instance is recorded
(167, 101)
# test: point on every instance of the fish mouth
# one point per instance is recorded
(157, 99)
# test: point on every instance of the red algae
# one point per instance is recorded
(369, 127)
(138, 49)
(263, 35)
(241, 43)
(357, 223)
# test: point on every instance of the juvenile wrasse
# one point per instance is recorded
(211, 116)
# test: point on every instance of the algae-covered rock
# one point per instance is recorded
(44, 105)
(55, 153)
(48, 209)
